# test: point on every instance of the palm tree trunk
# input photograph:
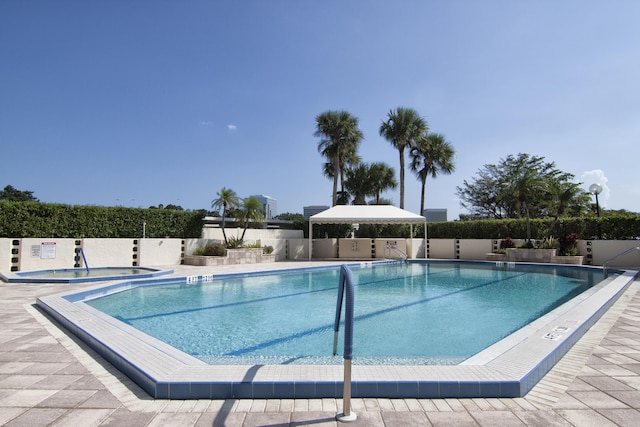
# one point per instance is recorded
(424, 182)
(336, 171)
(223, 232)
(401, 178)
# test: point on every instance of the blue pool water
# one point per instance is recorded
(415, 313)
(78, 275)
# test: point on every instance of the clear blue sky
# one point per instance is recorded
(138, 102)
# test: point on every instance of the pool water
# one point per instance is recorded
(70, 273)
(78, 275)
(414, 313)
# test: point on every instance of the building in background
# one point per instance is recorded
(270, 206)
(309, 211)
(435, 215)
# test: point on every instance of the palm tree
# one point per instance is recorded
(402, 129)
(563, 194)
(431, 155)
(340, 137)
(252, 212)
(348, 160)
(358, 183)
(382, 178)
(227, 199)
(525, 184)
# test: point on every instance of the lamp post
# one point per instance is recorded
(596, 189)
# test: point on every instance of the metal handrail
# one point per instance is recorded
(397, 251)
(84, 258)
(604, 264)
(345, 287)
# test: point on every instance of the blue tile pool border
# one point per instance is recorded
(167, 373)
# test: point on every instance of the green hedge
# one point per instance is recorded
(32, 219)
(612, 227)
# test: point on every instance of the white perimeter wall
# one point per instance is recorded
(45, 254)
(160, 252)
(6, 255)
(110, 252)
(442, 248)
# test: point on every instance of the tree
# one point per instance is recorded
(252, 213)
(566, 196)
(382, 178)
(14, 195)
(226, 200)
(368, 180)
(430, 156)
(340, 138)
(403, 128)
(358, 183)
(516, 187)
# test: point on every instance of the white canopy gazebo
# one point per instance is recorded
(365, 214)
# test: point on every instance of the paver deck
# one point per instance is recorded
(48, 377)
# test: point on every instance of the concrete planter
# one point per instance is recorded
(234, 256)
(574, 259)
(530, 255)
(495, 257)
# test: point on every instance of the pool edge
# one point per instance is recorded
(178, 380)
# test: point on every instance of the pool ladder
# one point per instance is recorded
(345, 287)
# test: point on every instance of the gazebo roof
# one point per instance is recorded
(366, 214)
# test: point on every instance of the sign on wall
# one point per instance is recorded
(48, 250)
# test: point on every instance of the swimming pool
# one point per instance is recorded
(508, 368)
(405, 313)
(80, 275)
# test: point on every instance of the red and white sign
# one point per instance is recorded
(47, 250)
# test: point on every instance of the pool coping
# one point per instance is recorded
(509, 368)
(22, 277)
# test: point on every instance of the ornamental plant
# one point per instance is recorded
(569, 244)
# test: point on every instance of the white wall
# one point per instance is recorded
(325, 248)
(298, 249)
(46, 254)
(415, 248)
(158, 252)
(5, 254)
(110, 252)
(474, 249)
(603, 250)
(442, 248)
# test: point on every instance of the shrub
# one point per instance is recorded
(548, 243)
(211, 249)
(569, 244)
(234, 243)
(267, 250)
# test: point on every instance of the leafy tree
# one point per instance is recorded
(518, 186)
(252, 213)
(226, 200)
(169, 206)
(14, 195)
(430, 156)
(403, 128)
(340, 138)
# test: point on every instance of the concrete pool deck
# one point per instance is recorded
(50, 377)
